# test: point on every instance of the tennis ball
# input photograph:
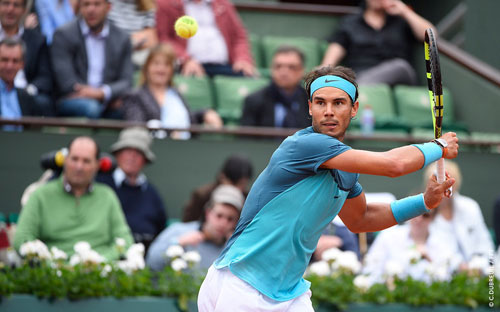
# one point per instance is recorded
(186, 26)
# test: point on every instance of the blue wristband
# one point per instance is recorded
(409, 207)
(431, 151)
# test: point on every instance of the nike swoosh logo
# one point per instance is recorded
(327, 81)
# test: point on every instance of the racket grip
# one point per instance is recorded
(440, 171)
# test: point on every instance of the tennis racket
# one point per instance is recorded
(435, 92)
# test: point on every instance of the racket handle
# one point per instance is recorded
(440, 171)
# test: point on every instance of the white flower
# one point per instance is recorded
(74, 260)
(320, 268)
(174, 251)
(92, 256)
(480, 264)
(58, 273)
(136, 250)
(120, 242)
(347, 260)
(331, 254)
(81, 247)
(179, 264)
(413, 255)
(106, 270)
(192, 257)
(362, 282)
(58, 254)
(393, 268)
(438, 272)
(35, 248)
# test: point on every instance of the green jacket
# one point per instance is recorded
(59, 219)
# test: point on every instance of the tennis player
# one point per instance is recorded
(311, 178)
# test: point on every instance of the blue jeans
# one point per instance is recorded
(80, 107)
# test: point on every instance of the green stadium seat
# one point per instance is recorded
(309, 46)
(380, 98)
(256, 48)
(231, 92)
(198, 92)
(414, 106)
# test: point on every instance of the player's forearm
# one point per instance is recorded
(377, 217)
(405, 160)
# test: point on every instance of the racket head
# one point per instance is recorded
(434, 80)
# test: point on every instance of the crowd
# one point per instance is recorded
(79, 59)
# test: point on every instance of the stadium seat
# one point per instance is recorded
(414, 106)
(231, 92)
(198, 92)
(256, 47)
(309, 46)
(380, 98)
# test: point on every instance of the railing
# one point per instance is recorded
(257, 132)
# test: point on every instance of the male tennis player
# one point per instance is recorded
(310, 179)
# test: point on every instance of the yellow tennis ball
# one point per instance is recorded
(186, 26)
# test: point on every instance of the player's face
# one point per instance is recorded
(221, 221)
(131, 161)
(331, 111)
(81, 164)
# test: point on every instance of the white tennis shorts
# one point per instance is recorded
(222, 291)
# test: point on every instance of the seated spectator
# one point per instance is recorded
(52, 14)
(220, 47)
(378, 42)
(158, 100)
(73, 208)
(411, 249)
(91, 62)
(461, 221)
(36, 75)
(283, 103)
(237, 170)
(336, 235)
(207, 236)
(14, 102)
(136, 18)
(141, 203)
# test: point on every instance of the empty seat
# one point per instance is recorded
(198, 92)
(231, 92)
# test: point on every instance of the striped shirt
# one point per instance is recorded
(125, 15)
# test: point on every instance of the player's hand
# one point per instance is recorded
(434, 192)
(193, 68)
(452, 140)
(245, 67)
(192, 239)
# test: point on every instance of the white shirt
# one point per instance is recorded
(95, 45)
(174, 113)
(208, 45)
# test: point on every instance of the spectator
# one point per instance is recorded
(141, 203)
(207, 236)
(14, 102)
(220, 46)
(92, 64)
(136, 18)
(158, 100)
(378, 42)
(283, 103)
(412, 249)
(52, 14)
(73, 208)
(460, 220)
(336, 235)
(36, 76)
(237, 170)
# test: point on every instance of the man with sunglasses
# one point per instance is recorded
(283, 103)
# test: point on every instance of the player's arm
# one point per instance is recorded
(359, 216)
(395, 162)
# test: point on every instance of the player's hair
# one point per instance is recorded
(283, 49)
(341, 71)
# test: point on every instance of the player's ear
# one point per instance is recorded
(309, 103)
(354, 110)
